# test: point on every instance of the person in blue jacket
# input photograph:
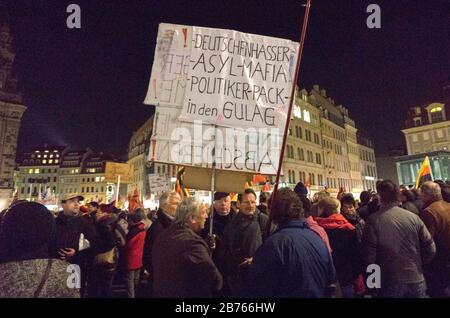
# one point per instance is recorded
(293, 261)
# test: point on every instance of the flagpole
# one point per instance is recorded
(288, 118)
(117, 192)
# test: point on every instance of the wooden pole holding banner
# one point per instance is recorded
(213, 180)
(288, 118)
(117, 193)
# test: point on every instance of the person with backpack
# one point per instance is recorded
(242, 237)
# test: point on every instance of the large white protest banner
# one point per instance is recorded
(238, 122)
(238, 80)
(199, 145)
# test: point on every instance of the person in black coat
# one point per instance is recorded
(76, 236)
(168, 204)
(223, 215)
(181, 258)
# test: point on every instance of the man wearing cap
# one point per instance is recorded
(223, 214)
(72, 231)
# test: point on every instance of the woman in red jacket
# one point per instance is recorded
(132, 251)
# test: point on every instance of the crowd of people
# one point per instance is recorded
(290, 245)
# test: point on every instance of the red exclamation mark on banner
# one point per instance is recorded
(154, 87)
(185, 35)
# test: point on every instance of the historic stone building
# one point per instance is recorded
(11, 111)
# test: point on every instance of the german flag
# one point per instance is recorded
(179, 186)
(424, 173)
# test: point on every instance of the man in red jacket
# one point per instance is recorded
(133, 250)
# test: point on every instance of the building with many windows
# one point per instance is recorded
(333, 128)
(427, 128)
(427, 133)
(38, 171)
(323, 148)
(304, 159)
(369, 173)
(64, 170)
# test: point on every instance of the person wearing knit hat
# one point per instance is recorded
(27, 234)
(301, 189)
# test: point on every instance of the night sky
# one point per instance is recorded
(85, 87)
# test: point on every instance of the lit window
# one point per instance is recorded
(76, 170)
(50, 161)
(306, 116)
(51, 156)
(30, 171)
(44, 161)
(97, 179)
(56, 161)
(38, 156)
(45, 156)
(102, 179)
(436, 109)
(57, 156)
(36, 171)
(297, 112)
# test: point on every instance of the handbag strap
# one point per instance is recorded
(44, 278)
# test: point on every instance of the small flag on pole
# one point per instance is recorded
(425, 173)
(179, 186)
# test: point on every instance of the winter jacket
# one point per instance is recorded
(219, 224)
(399, 242)
(410, 206)
(182, 265)
(133, 250)
(22, 279)
(436, 217)
(357, 222)
(242, 237)
(344, 243)
(158, 226)
(316, 228)
(68, 231)
(292, 262)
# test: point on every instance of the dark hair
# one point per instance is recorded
(94, 204)
(287, 206)
(388, 191)
(220, 195)
(409, 195)
(239, 197)
(264, 197)
(137, 216)
(348, 199)
(365, 196)
(306, 205)
(27, 231)
(247, 191)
